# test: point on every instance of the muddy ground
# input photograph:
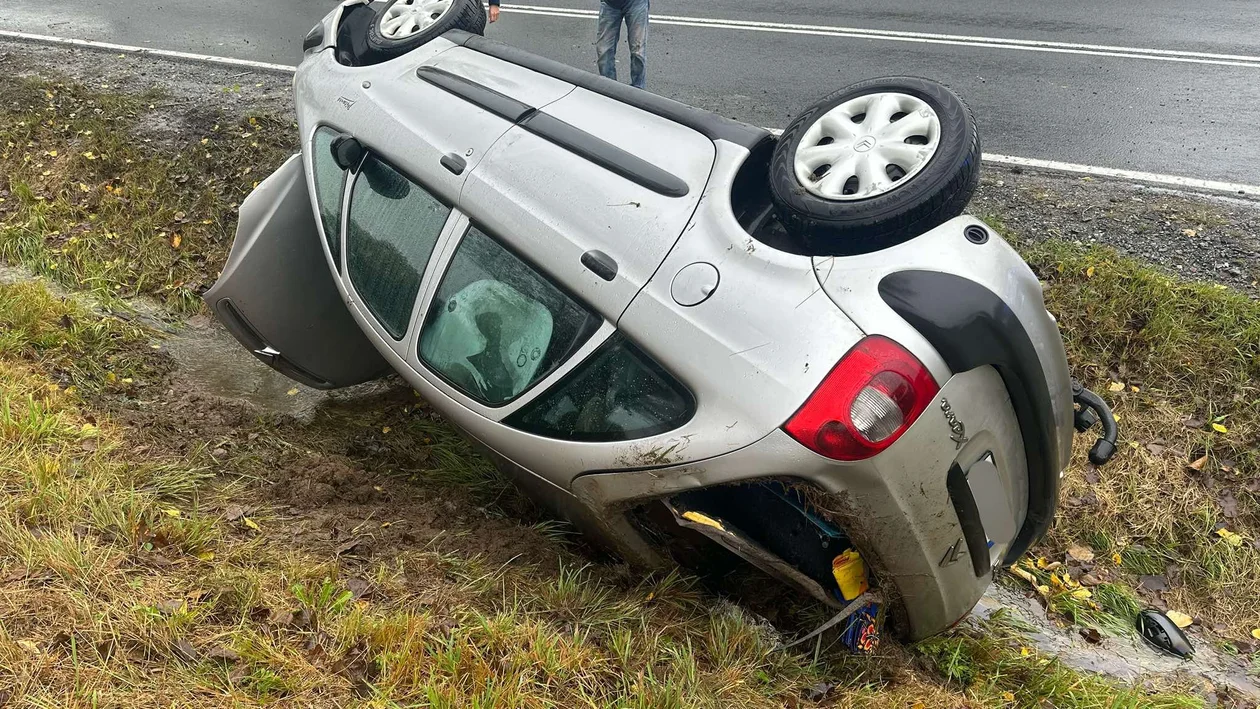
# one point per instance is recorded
(349, 473)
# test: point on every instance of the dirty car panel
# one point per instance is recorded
(277, 297)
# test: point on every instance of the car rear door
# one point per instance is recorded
(594, 190)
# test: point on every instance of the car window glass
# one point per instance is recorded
(496, 325)
(618, 394)
(391, 230)
(330, 181)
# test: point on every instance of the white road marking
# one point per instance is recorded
(1028, 45)
(128, 49)
(1054, 165)
(1235, 188)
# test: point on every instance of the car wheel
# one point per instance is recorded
(403, 25)
(874, 165)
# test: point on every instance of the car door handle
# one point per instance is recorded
(454, 163)
(601, 264)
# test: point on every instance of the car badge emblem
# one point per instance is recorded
(348, 103)
(958, 431)
(865, 144)
(953, 553)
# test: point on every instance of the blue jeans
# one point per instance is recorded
(636, 18)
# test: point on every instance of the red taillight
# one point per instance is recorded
(865, 403)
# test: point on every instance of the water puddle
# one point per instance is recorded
(210, 360)
(1125, 658)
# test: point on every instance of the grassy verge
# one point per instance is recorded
(97, 198)
(1178, 361)
(131, 579)
(141, 569)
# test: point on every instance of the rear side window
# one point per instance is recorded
(618, 394)
(330, 182)
(497, 326)
(391, 230)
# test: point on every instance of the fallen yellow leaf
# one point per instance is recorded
(1255, 633)
(1219, 428)
(84, 188)
(292, 392)
(1082, 593)
(249, 523)
(52, 153)
(1043, 590)
(1189, 232)
(1024, 652)
(1008, 696)
(1025, 575)
(206, 556)
(171, 512)
(1116, 558)
(386, 429)
(176, 240)
(1233, 538)
(1181, 619)
(1135, 389)
(1089, 272)
(1115, 386)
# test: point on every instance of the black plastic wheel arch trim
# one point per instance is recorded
(969, 519)
(711, 125)
(554, 130)
(970, 326)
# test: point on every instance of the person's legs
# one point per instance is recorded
(606, 40)
(636, 35)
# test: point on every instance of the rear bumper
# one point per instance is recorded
(897, 506)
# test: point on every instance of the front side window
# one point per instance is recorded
(497, 326)
(391, 230)
(330, 182)
(618, 394)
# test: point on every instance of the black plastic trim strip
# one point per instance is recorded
(969, 519)
(711, 125)
(554, 130)
(604, 154)
(483, 96)
(970, 326)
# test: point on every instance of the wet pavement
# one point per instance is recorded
(1169, 114)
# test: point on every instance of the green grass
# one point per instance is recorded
(989, 665)
(89, 198)
(1191, 352)
(128, 588)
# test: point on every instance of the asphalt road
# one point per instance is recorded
(1180, 113)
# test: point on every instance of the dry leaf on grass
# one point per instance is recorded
(1115, 386)
(1080, 553)
(1198, 463)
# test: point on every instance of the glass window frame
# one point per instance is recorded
(347, 177)
(615, 340)
(596, 334)
(437, 257)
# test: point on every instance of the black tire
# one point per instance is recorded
(938, 192)
(467, 15)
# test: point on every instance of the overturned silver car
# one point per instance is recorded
(678, 331)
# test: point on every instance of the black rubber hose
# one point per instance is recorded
(1105, 447)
